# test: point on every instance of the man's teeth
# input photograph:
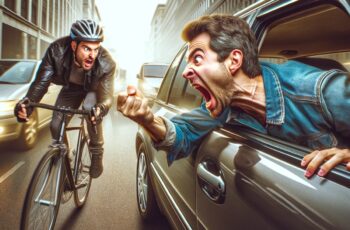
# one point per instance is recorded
(208, 104)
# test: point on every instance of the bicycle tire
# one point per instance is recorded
(43, 183)
(83, 180)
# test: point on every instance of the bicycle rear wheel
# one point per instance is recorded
(82, 178)
(43, 196)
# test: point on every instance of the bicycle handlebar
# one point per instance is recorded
(59, 108)
(65, 110)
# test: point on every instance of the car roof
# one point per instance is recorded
(155, 63)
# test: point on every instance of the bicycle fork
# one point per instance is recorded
(58, 179)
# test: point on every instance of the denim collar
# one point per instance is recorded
(275, 110)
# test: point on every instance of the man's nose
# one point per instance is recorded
(188, 72)
(92, 55)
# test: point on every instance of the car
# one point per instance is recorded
(15, 79)
(150, 77)
(239, 178)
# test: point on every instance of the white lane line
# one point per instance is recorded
(11, 171)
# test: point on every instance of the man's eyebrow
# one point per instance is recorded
(193, 52)
(85, 46)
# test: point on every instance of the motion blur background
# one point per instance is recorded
(137, 31)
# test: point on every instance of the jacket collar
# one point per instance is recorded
(275, 109)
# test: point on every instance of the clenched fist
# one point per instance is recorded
(134, 106)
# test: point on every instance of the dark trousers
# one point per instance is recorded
(73, 97)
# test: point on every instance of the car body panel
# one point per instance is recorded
(263, 187)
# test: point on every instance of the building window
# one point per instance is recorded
(56, 18)
(51, 18)
(35, 12)
(43, 19)
(31, 47)
(24, 8)
(10, 4)
(43, 47)
(12, 42)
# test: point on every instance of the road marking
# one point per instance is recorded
(11, 171)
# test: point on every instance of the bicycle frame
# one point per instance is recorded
(48, 184)
(63, 159)
(81, 136)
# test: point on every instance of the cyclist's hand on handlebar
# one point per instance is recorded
(21, 111)
(134, 106)
(96, 115)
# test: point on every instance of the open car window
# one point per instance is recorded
(318, 36)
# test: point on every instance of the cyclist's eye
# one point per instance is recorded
(197, 59)
(86, 49)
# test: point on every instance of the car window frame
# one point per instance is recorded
(169, 77)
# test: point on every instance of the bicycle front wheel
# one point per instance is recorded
(82, 178)
(43, 196)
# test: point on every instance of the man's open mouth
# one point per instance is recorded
(89, 62)
(208, 97)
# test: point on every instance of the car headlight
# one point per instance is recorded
(7, 107)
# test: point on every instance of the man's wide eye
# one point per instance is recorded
(197, 59)
(86, 49)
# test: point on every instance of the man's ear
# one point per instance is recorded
(73, 44)
(235, 61)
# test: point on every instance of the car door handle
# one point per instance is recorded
(211, 184)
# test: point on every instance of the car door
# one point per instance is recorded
(179, 178)
(250, 180)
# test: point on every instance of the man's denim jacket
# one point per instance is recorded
(304, 105)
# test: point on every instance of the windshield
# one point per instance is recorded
(16, 72)
(154, 70)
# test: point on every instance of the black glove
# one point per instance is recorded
(18, 107)
(98, 118)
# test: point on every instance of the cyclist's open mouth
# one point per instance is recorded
(88, 63)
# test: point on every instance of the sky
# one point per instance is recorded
(127, 26)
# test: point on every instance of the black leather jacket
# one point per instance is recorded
(55, 68)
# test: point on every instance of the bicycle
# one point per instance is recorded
(56, 176)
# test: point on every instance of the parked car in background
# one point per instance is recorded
(239, 178)
(150, 78)
(15, 79)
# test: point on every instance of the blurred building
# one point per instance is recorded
(27, 27)
(169, 19)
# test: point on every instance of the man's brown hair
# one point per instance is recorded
(227, 33)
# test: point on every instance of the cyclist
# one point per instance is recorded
(86, 70)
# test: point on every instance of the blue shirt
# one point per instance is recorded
(304, 105)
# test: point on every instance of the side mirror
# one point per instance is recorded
(138, 76)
